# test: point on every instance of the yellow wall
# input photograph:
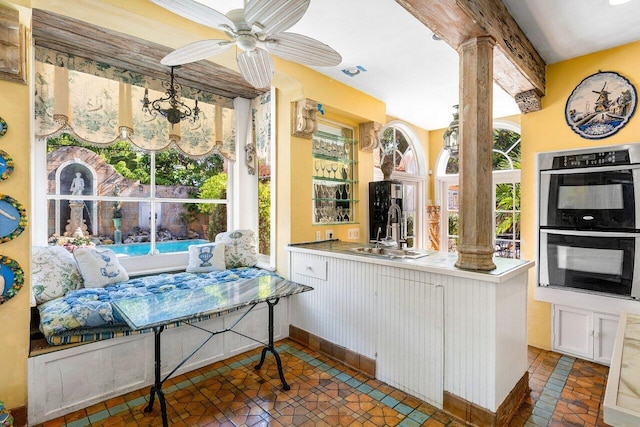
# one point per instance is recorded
(547, 130)
(294, 171)
(14, 314)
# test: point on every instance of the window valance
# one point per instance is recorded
(100, 104)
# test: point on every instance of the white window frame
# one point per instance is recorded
(145, 264)
(443, 181)
(419, 178)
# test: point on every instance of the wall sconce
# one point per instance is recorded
(451, 135)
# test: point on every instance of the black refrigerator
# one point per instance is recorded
(382, 194)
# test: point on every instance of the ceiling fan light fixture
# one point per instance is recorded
(258, 30)
(246, 42)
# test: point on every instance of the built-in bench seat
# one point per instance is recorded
(93, 355)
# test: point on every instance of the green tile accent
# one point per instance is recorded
(403, 409)
(136, 402)
(83, 422)
(184, 384)
(118, 408)
(377, 395)
(419, 416)
(389, 401)
(98, 416)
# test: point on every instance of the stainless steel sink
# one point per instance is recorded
(390, 252)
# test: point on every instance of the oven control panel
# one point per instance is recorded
(602, 158)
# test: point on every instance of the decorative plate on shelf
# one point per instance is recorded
(6, 165)
(13, 218)
(3, 127)
(11, 278)
(601, 105)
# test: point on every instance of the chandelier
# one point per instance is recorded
(170, 106)
(452, 134)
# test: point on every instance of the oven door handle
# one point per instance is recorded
(590, 233)
(588, 170)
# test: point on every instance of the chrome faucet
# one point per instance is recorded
(395, 209)
(378, 237)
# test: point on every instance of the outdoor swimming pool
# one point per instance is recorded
(134, 249)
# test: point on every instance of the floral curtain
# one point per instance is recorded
(100, 104)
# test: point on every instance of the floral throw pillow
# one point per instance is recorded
(53, 273)
(205, 258)
(239, 248)
(99, 267)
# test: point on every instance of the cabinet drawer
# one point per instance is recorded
(316, 268)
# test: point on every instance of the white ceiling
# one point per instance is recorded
(417, 77)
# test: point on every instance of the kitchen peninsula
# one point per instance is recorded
(454, 338)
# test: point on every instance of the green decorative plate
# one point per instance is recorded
(3, 127)
(13, 218)
(6, 165)
(11, 278)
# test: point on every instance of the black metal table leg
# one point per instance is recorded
(272, 349)
(156, 388)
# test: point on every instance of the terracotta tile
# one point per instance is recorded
(242, 396)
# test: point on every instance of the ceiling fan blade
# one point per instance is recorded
(302, 49)
(197, 12)
(256, 67)
(196, 51)
(274, 16)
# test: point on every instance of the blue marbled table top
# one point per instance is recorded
(185, 304)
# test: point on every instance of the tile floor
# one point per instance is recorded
(564, 392)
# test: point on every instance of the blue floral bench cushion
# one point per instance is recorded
(86, 314)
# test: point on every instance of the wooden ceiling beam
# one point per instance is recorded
(517, 66)
(85, 40)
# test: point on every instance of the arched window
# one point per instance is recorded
(400, 142)
(506, 194)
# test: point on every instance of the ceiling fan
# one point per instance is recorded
(258, 30)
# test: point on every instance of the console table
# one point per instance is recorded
(189, 305)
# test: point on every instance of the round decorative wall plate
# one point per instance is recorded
(3, 127)
(13, 218)
(11, 278)
(6, 165)
(601, 105)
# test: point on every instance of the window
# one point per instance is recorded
(137, 202)
(124, 177)
(399, 142)
(506, 194)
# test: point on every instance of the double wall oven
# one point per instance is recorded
(590, 220)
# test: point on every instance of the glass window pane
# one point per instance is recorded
(179, 176)
(504, 225)
(504, 197)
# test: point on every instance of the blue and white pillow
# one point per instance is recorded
(240, 248)
(206, 257)
(99, 267)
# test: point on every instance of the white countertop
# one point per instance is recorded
(435, 262)
(622, 397)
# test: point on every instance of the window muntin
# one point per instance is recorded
(394, 143)
(506, 194)
(154, 194)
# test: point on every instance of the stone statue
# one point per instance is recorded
(77, 185)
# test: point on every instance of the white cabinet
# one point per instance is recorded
(583, 333)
